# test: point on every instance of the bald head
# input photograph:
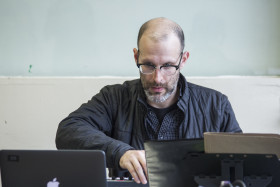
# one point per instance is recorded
(160, 29)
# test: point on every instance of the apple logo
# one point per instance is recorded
(53, 183)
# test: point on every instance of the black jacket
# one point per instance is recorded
(112, 120)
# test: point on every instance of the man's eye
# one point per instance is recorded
(151, 66)
(148, 66)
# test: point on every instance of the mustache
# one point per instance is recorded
(156, 85)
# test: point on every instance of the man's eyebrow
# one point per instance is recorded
(169, 62)
(152, 63)
(147, 62)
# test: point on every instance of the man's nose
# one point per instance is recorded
(157, 75)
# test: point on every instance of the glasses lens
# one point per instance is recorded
(146, 69)
(168, 70)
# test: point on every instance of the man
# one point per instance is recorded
(160, 105)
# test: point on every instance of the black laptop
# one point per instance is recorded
(53, 168)
(183, 163)
(166, 160)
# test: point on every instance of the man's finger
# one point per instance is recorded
(133, 172)
(139, 170)
(143, 163)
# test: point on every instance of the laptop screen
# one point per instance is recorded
(53, 168)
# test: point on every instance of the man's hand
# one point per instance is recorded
(134, 161)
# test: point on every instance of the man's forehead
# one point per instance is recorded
(158, 36)
(160, 43)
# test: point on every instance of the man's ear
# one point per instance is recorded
(185, 57)
(135, 52)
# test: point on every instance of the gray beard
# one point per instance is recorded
(160, 99)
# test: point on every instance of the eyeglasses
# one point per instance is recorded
(166, 69)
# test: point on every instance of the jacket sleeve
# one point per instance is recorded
(229, 122)
(91, 127)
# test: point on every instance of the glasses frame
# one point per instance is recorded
(155, 67)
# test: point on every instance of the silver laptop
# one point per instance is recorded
(53, 168)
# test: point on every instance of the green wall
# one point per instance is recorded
(96, 37)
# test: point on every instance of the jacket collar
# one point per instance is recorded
(184, 93)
